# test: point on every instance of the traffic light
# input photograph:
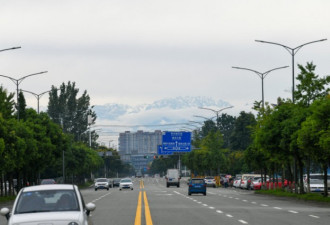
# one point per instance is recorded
(155, 156)
(145, 156)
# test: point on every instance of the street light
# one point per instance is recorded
(17, 83)
(292, 52)
(38, 96)
(217, 111)
(262, 76)
(203, 117)
(6, 49)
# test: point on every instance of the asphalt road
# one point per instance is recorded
(152, 203)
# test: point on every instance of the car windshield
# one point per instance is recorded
(209, 178)
(316, 181)
(125, 181)
(102, 180)
(47, 201)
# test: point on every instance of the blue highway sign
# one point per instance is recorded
(176, 142)
(161, 152)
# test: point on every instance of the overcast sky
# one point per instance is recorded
(139, 51)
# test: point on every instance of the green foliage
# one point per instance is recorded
(71, 112)
(7, 104)
(241, 135)
(311, 87)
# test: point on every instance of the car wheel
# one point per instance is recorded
(214, 186)
(95, 189)
(204, 193)
(189, 193)
(132, 189)
(107, 189)
(178, 185)
(119, 189)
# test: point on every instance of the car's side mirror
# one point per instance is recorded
(5, 212)
(90, 207)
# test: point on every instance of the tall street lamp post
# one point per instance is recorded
(38, 96)
(17, 83)
(6, 49)
(262, 76)
(292, 52)
(216, 111)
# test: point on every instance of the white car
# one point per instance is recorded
(125, 183)
(49, 204)
(210, 182)
(101, 183)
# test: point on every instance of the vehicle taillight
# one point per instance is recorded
(190, 185)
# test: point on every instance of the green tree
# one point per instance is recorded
(314, 135)
(226, 124)
(310, 86)
(7, 104)
(241, 136)
(71, 112)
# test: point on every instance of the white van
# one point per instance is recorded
(172, 178)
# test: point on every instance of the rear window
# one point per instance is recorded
(199, 181)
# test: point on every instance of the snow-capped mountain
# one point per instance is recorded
(113, 111)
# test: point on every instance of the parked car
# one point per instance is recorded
(48, 181)
(316, 182)
(101, 183)
(125, 183)
(197, 185)
(49, 204)
(210, 182)
(237, 182)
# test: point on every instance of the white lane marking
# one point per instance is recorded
(195, 200)
(204, 204)
(225, 196)
(176, 192)
(244, 200)
(291, 211)
(242, 221)
(230, 197)
(314, 216)
(277, 208)
(199, 202)
(219, 211)
(229, 215)
(211, 207)
(253, 202)
(264, 205)
(237, 198)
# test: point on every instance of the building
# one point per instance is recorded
(138, 148)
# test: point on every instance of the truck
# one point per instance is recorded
(172, 177)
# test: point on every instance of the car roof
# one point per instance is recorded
(49, 187)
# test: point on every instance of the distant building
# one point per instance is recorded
(138, 148)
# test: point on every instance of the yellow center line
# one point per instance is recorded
(138, 211)
(147, 210)
(138, 216)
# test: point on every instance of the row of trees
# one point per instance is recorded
(37, 145)
(288, 140)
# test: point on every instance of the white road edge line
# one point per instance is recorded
(277, 208)
(219, 211)
(242, 221)
(229, 215)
